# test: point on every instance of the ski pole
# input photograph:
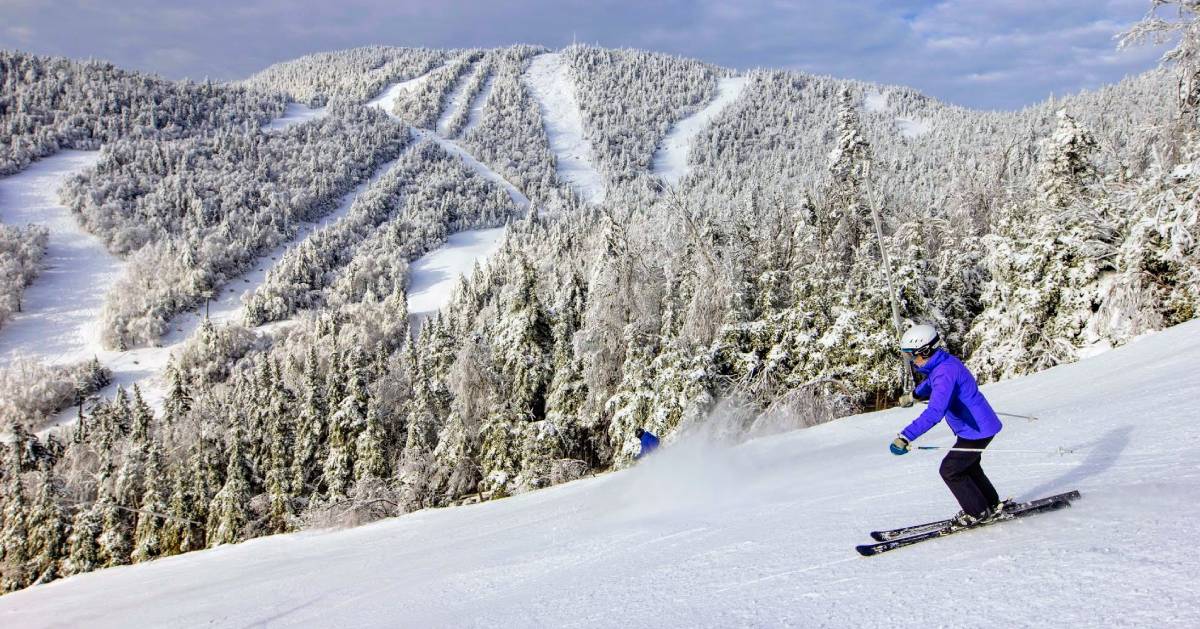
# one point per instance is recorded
(1018, 416)
(1059, 451)
(1029, 417)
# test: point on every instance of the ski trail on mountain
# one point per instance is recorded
(478, 104)
(61, 307)
(757, 535)
(454, 148)
(386, 99)
(386, 102)
(670, 162)
(549, 79)
(144, 365)
(457, 99)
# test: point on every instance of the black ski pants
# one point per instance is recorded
(965, 478)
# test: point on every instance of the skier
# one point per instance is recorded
(649, 443)
(953, 394)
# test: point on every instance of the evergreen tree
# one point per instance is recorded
(310, 427)
(84, 552)
(148, 538)
(227, 512)
(14, 535)
(371, 458)
(47, 533)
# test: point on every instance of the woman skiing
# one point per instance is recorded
(953, 394)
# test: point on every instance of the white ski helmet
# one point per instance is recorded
(919, 339)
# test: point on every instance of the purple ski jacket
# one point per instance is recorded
(952, 394)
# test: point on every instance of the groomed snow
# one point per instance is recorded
(296, 113)
(432, 278)
(63, 303)
(549, 79)
(671, 159)
(760, 535)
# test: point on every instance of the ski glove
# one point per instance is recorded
(907, 400)
(900, 445)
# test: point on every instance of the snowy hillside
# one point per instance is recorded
(756, 535)
(292, 322)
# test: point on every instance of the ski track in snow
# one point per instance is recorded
(759, 535)
(670, 161)
(549, 79)
(61, 306)
(456, 99)
(296, 113)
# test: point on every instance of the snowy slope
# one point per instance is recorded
(757, 535)
(62, 304)
(432, 278)
(671, 159)
(549, 79)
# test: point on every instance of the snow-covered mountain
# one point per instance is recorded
(369, 282)
(762, 534)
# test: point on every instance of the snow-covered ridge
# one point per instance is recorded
(671, 159)
(549, 79)
(757, 535)
(61, 308)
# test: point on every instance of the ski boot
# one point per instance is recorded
(964, 520)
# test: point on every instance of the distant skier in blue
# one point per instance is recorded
(649, 443)
(952, 393)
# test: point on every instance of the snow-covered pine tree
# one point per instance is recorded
(1046, 262)
(227, 512)
(148, 541)
(310, 428)
(844, 223)
(84, 553)
(47, 532)
(14, 532)
(371, 451)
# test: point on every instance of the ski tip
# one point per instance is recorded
(866, 550)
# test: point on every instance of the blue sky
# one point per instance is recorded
(998, 54)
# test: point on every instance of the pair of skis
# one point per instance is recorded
(909, 535)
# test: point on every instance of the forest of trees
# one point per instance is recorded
(50, 103)
(753, 292)
(188, 214)
(21, 250)
(353, 76)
